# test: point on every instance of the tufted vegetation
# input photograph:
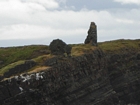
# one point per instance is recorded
(13, 56)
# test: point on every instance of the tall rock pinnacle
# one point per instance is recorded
(92, 35)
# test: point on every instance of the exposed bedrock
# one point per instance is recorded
(92, 35)
(81, 80)
(90, 79)
(124, 74)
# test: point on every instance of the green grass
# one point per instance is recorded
(14, 54)
(40, 59)
(12, 65)
(117, 46)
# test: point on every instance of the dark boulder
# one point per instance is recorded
(58, 47)
(92, 35)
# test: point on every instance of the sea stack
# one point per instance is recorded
(92, 35)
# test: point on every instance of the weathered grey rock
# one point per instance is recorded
(92, 35)
(58, 47)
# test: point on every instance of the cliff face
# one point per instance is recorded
(81, 80)
(124, 74)
(93, 78)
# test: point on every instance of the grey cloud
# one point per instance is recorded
(41, 41)
(136, 2)
(98, 4)
(40, 26)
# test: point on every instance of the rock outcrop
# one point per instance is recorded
(124, 74)
(93, 78)
(81, 80)
(58, 47)
(92, 35)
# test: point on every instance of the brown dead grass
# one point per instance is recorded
(82, 49)
(39, 69)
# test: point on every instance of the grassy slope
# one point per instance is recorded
(13, 54)
(117, 46)
(16, 55)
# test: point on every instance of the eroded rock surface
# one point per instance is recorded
(81, 80)
(92, 35)
(94, 78)
(124, 74)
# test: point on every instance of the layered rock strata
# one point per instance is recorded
(124, 74)
(93, 78)
(80, 80)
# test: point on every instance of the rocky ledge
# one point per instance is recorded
(80, 80)
(93, 78)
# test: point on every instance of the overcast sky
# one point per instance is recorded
(26, 22)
